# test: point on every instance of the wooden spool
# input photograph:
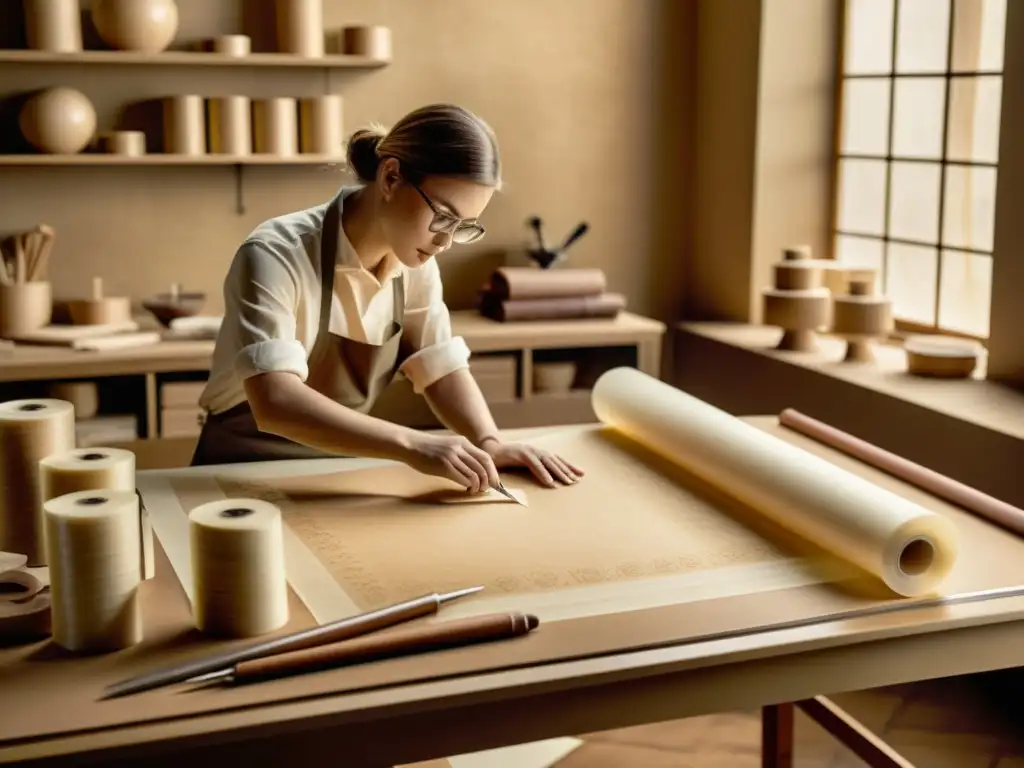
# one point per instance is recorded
(859, 317)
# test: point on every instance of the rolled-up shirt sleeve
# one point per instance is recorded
(428, 330)
(261, 298)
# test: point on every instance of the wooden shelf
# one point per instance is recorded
(191, 59)
(96, 158)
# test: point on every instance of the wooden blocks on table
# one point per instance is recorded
(798, 303)
(859, 316)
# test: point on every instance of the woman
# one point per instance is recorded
(324, 306)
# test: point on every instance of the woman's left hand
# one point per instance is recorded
(548, 468)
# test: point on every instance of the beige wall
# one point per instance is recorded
(764, 136)
(589, 99)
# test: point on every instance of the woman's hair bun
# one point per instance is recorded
(362, 153)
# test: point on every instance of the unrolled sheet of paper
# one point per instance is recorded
(908, 547)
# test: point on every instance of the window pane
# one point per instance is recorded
(865, 126)
(917, 127)
(979, 32)
(970, 208)
(862, 196)
(910, 275)
(868, 36)
(974, 107)
(860, 252)
(965, 295)
(922, 36)
(914, 202)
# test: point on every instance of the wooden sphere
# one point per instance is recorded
(147, 26)
(58, 121)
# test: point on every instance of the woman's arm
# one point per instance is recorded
(457, 401)
(283, 405)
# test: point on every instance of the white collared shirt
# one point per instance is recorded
(272, 308)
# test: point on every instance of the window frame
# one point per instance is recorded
(902, 327)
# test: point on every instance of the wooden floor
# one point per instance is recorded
(954, 723)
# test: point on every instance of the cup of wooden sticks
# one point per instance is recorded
(26, 297)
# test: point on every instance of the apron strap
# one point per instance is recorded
(328, 260)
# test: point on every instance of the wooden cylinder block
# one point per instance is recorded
(127, 143)
(83, 395)
(374, 42)
(230, 125)
(941, 356)
(184, 125)
(236, 46)
(322, 124)
(859, 317)
(275, 126)
(800, 314)
(797, 276)
(53, 25)
(300, 27)
(24, 307)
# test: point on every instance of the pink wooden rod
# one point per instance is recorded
(971, 499)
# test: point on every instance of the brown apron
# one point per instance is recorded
(349, 372)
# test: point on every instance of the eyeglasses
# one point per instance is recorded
(461, 230)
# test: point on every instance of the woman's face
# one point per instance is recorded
(408, 212)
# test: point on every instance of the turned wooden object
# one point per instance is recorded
(798, 304)
(859, 317)
(942, 357)
(100, 309)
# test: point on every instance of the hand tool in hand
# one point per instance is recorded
(500, 488)
(400, 642)
(342, 629)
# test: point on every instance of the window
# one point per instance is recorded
(918, 145)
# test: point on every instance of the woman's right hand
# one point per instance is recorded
(453, 457)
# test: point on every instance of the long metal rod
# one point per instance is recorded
(368, 621)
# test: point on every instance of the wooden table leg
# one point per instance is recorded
(777, 736)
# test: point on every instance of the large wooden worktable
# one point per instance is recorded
(402, 723)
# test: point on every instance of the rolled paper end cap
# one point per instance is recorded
(532, 622)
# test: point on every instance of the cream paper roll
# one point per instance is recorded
(321, 123)
(92, 539)
(238, 574)
(30, 430)
(908, 547)
(184, 125)
(230, 125)
(276, 126)
(85, 469)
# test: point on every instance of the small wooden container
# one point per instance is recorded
(941, 357)
(373, 42)
(100, 309)
(554, 378)
(235, 46)
(127, 143)
(25, 307)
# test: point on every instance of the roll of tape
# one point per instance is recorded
(92, 540)
(239, 583)
(24, 607)
(30, 430)
(87, 469)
